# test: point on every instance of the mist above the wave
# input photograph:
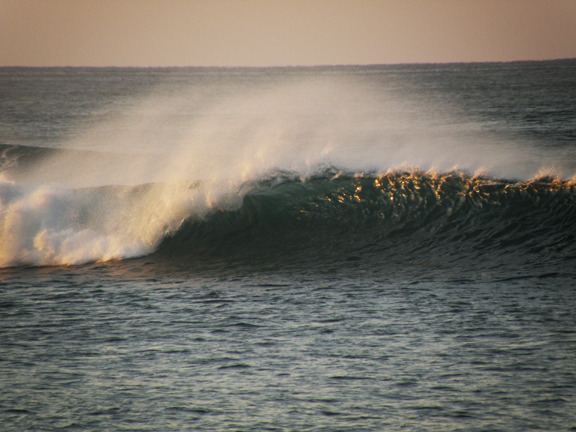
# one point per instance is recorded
(236, 131)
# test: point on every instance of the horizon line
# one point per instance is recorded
(289, 66)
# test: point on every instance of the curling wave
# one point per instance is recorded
(397, 217)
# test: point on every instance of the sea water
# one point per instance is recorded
(352, 248)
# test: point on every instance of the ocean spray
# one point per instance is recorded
(180, 152)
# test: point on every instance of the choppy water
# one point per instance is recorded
(323, 249)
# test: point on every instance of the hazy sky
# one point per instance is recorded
(282, 32)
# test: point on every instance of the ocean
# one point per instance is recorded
(343, 248)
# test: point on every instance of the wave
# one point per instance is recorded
(267, 173)
(330, 215)
(397, 217)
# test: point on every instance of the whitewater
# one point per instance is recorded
(329, 248)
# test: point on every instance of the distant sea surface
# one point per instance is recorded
(359, 248)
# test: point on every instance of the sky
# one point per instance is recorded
(282, 32)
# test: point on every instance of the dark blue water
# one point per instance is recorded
(317, 249)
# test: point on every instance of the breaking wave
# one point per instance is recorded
(294, 170)
(400, 216)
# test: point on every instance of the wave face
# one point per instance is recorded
(390, 220)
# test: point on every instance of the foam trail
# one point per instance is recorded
(194, 149)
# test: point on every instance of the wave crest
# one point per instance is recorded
(407, 214)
